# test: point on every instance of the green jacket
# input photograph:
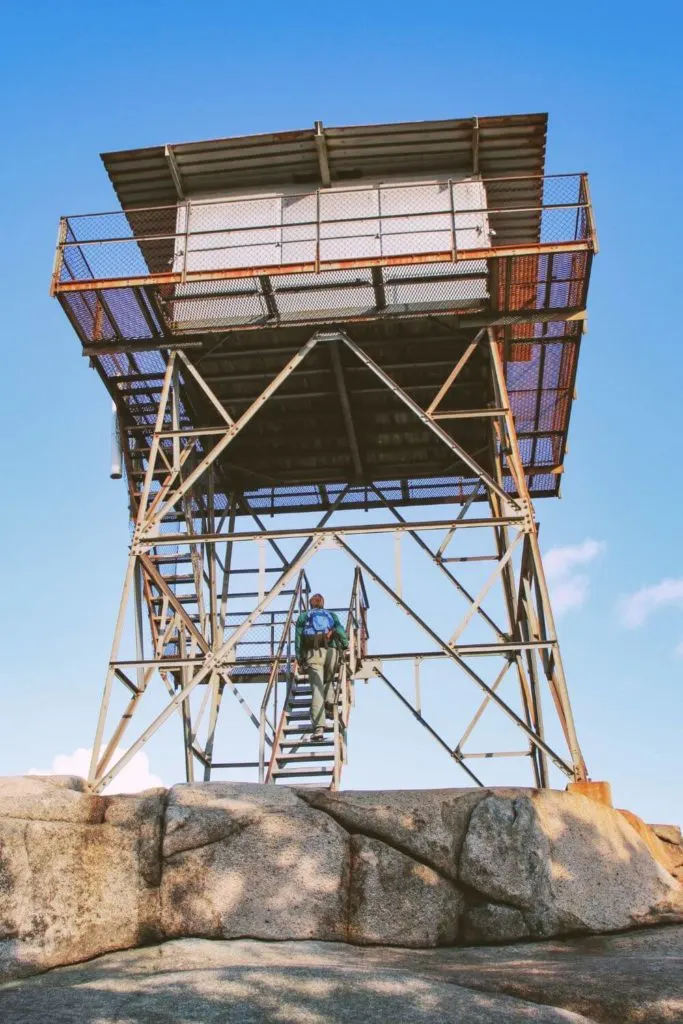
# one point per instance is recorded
(339, 639)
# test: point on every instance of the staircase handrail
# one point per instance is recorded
(356, 629)
(301, 580)
(356, 623)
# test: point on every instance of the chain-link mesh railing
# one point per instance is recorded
(197, 239)
(330, 254)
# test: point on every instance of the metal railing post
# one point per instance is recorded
(59, 255)
(262, 745)
(452, 201)
(317, 230)
(589, 211)
(183, 273)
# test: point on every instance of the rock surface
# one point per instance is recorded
(249, 860)
(632, 978)
(397, 901)
(81, 875)
(543, 856)
(672, 847)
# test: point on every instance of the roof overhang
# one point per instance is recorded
(494, 147)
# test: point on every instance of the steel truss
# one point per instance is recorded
(193, 625)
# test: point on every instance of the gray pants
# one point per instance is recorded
(321, 666)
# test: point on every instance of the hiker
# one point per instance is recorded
(319, 638)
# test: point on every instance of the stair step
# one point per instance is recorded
(322, 772)
(307, 728)
(312, 755)
(301, 743)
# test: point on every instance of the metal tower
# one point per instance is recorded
(371, 334)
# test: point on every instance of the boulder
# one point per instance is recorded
(74, 782)
(429, 825)
(659, 850)
(81, 875)
(671, 847)
(72, 884)
(493, 923)
(630, 978)
(397, 901)
(567, 863)
(252, 860)
(34, 798)
(668, 834)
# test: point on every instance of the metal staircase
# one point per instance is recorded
(293, 755)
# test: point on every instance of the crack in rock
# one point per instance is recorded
(231, 859)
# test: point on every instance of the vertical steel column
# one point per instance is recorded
(516, 466)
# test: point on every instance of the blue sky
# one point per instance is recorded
(78, 79)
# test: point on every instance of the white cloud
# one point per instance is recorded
(635, 608)
(135, 777)
(569, 593)
(559, 562)
(568, 588)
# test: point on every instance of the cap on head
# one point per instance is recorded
(317, 601)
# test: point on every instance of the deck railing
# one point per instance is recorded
(355, 226)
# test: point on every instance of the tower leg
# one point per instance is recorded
(202, 610)
(552, 658)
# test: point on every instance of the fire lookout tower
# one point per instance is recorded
(310, 326)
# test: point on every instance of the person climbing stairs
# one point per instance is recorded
(319, 641)
(303, 738)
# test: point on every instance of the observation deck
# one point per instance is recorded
(410, 237)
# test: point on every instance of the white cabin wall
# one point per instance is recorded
(366, 220)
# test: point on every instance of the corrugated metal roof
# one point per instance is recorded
(492, 146)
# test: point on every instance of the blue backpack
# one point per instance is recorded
(319, 621)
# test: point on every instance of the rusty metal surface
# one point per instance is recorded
(445, 220)
(491, 146)
(138, 282)
(297, 453)
(287, 269)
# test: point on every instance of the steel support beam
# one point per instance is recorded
(209, 636)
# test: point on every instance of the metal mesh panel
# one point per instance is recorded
(524, 376)
(552, 365)
(523, 405)
(88, 316)
(207, 304)
(124, 306)
(389, 221)
(331, 293)
(150, 362)
(543, 282)
(116, 365)
(543, 483)
(524, 283)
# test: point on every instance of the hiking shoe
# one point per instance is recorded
(317, 736)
